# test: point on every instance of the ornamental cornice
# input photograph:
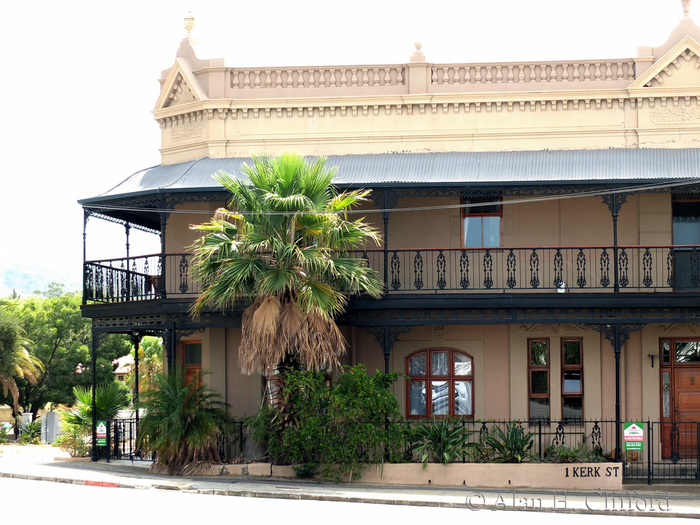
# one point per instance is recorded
(422, 104)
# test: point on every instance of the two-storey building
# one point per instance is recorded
(540, 222)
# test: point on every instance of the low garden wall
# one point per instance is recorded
(564, 476)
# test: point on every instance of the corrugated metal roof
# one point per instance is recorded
(453, 169)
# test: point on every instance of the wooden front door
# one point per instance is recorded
(680, 399)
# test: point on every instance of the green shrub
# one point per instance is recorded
(72, 440)
(31, 433)
(340, 428)
(580, 454)
(510, 446)
(442, 441)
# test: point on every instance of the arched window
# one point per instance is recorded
(439, 383)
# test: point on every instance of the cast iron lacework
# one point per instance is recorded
(464, 270)
(596, 437)
(559, 435)
(534, 269)
(670, 266)
(558, 269)
(647, 268)
(695, 268)
(510, 268)
(605, 268)
(184, 271)
(441, 265)
(418, 271)
(624, 264)
(581, 268)
(488, 269)
(395, 268)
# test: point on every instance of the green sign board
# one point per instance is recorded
(634, 436)
(101, 433)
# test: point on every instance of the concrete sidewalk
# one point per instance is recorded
(49, 464)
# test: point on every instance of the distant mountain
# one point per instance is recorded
(28, 277)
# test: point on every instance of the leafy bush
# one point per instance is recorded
(3, 436)
(442, 441)
(72, 440)
(341, 428)
(510, 446)
(580, 454)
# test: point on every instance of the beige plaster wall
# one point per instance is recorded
(244, 392)
(178, 235)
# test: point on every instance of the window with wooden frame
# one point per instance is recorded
(440, 383)
(481, 222)
(192, 361)
(538, 379)
(572, 380)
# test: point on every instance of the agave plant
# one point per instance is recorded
(442, 441)
(182, 422)
(510, 446)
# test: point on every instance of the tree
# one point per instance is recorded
(283, 246)
(150, 363)
(15, 360)
(60, 339)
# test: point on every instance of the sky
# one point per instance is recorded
(80, 81)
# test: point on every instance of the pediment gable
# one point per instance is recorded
(180, 87)
(679, 68)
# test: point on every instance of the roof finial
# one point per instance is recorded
(686, 7)
(418, 56)
(189, 24)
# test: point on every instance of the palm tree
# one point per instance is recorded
(15, 359)
(283, 246)
(182, 423)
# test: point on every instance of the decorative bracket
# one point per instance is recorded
(624, 332)
(614, 201)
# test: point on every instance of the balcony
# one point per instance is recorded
(666, 269)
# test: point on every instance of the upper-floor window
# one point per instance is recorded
(481, 222)
(440, 383)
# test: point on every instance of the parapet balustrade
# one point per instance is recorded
(440, 270)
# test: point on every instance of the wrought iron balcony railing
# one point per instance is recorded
(461, 270)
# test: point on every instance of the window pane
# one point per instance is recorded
(416, 398)
(463, 365)
(666, 386)
(538, 353)
(193, 354)
(441, 398)
(472, 232)
(492, 231)
(463, 398)
(539, 381)
(686, 223)
(687, 351)
(539, 408)
(666, 352)
(416, 365)
(572, 352)
(440, 364)
(572, 382)
(572, 409)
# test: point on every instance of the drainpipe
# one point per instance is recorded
(94, 402)
(86, 216)
(385, 215)
(618, 443)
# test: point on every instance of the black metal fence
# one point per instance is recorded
(121, 442)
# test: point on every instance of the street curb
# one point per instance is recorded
(247, 493)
